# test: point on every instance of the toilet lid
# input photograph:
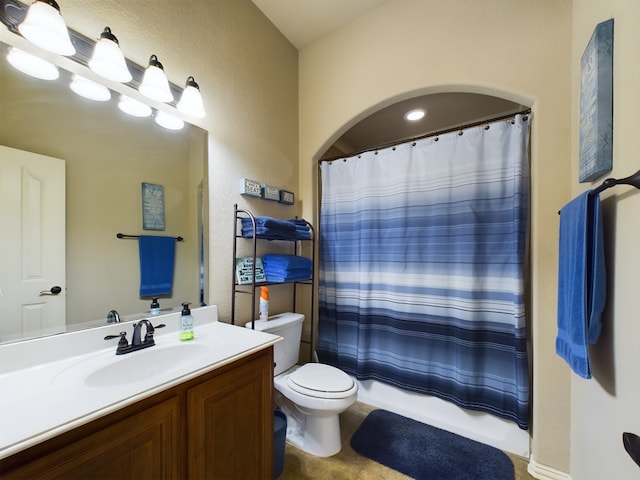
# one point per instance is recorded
(317, 379)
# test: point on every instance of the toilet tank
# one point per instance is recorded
(289, 327)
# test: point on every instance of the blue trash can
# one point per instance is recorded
(279, 439)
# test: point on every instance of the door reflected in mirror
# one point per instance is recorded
(107, 156)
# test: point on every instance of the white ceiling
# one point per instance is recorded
(304, 21)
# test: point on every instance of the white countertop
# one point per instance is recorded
(41, 399)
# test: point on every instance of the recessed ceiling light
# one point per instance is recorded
(414, 115)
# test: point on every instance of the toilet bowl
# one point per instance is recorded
(318, 432)
(312, 395)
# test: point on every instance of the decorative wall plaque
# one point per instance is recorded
(596, 104)
(152, 206)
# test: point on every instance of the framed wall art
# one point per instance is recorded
(596, 104)
(152, 206)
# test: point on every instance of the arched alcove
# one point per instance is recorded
(385, 123)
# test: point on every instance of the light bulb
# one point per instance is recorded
(107, 59)
(133, 107)
(89, 89)
(154, 82)
(32, 65)
(169, 121)
(191, 101)
(44, 26)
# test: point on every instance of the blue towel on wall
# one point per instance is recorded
(157, 261)
(581, 281)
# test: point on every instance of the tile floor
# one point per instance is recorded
(349, 465)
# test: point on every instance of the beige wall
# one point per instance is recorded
(519, 50)
(607, 405)
(247, 72)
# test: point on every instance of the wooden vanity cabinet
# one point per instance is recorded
(217, 426)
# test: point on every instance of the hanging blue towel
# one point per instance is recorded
(157, 261)
(581, 281)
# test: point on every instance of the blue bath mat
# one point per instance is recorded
(427, 453)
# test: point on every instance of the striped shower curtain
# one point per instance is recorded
(422, 252)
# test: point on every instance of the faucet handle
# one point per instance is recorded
(148, 336)
(123, 339)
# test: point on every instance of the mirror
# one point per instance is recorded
(107, 156)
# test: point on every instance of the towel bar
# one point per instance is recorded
(122, 235)
(633, 180)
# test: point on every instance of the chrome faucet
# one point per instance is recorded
(136, 342)
(113, 317)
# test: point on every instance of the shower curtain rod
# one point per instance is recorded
(428, 135)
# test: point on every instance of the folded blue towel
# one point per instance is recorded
(295, 273)
(269, 233)
(282, 261)
(157, 261)
(581, 281)
(275, 229)
(269, 222)
(291, 271)
(289, 277)
(303, 232)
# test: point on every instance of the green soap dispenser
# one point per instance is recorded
(186, 323)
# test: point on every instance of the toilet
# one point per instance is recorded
(311, 395)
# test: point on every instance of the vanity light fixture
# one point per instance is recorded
(32, 65)
(89, 89)
(44, 26)
(191, 100)
(133, 107)
(107, 59)
(168, 121)
(415, 115)
(154, 82)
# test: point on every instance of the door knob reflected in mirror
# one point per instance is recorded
(55, 290)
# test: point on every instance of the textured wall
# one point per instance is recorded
(607, 405)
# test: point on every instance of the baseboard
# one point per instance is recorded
(542, 472)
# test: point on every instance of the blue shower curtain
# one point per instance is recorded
(422, 251)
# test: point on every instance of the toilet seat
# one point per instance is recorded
(322, 381)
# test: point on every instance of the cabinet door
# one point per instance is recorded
(230, 423)
(143, 446)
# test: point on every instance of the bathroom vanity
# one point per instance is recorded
(207, 417)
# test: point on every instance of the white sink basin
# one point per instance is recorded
(109, 370)
(150, 362)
